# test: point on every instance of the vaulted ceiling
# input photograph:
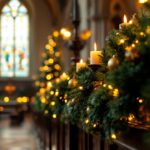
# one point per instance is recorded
(57, 8)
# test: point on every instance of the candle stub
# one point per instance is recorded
(80, 65)
(95, 56)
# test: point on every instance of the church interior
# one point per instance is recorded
(74, 75)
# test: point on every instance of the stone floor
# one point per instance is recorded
(20, 137)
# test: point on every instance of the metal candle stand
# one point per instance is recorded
(75, 44)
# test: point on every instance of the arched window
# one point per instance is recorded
(14, 40)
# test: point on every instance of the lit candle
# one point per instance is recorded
(125, 22)
(95, 56)
(80, 65)
(64, 77)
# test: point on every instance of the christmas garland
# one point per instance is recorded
(106, 101)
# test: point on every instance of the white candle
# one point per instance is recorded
(80, 65)
(95, 56)
(125, 22)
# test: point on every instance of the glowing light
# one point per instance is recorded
(143, 1)
(137, 41)
(142, 34)
(133, 45)
(131, 22)
(46, 112)
(57, 93)
(110, 87)
(19, 99)
(1, 108)
(87, 121)
(56, 33)
(57, 67)
(125, 20)
(122, 41)
(6, 99)
(64, 77)
(140, 100)
(43, 100)
(85, 34)
(131, 117)
(42, 90)
(57, 80)
(49, 76)
(115, 92)
(57, 54)
(65, 100)
(95, 46)
(53, 103)
(94, 125)
(49, 85)
(66, 34)
(51, 61)
(113, 136)
(54, 116)
(25, 99)
(80, 87)
(52, 92)
(104, 85)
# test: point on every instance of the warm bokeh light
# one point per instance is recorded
(55, 33)
(54, 116)
(125, 20)
(52, 103)
(64, 77)
(6, 99)
(85, 35)
(1, 108)
(66, 34)
(113, 136)
(143, 1)
(87, 121)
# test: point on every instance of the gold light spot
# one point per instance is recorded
(49, 76)
(122, 41)
(6, 99)
(113, 136)
(94, 125)
(53, 103)
(56, 93)
(52, 92)
(55, 33)
(80, 87)
(143, 1)
(110, 87)
(115, 92)
(1, 108)
(87, 121)
(131, 117)
(43, 100)
(51, 61)
(54, 116)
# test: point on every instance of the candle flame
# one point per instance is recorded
(81, 61)
(125, 19)
(143, 1)
(95, 46)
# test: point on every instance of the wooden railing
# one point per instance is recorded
(57, 136)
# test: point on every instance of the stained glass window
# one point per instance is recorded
(14, 40)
